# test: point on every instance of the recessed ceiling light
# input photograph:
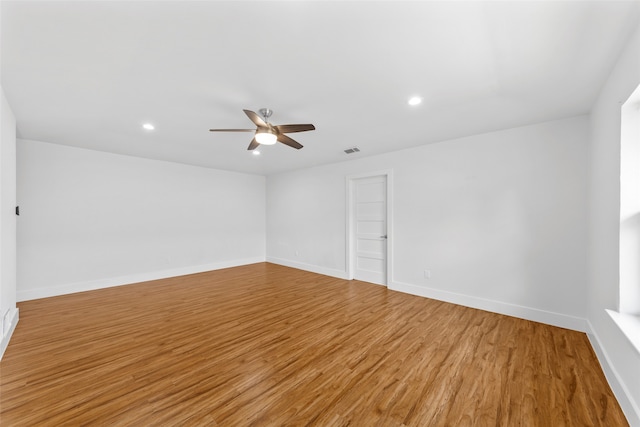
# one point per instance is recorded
(255, 152)
(415, 100)
(148, 126)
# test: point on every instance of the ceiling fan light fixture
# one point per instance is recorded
(266, 137)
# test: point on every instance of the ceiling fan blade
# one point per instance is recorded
(288, 141)
(232, 130)
(254, 144)
(256, 119)
(295, 128)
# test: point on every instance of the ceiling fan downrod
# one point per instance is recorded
(266, 113)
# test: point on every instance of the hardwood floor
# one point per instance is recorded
(272, 346)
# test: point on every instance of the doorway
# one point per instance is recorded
(369, 227)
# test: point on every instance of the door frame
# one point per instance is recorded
(350, 221)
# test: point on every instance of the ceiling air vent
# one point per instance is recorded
(352, 150)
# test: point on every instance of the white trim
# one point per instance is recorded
(523, 312)
(6, 337)
(340, 274)
(620, 390)
(349, 258)
(91, 285)
(629, 325)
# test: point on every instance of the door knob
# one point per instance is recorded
(383, 237)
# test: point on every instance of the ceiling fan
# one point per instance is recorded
(268, 134)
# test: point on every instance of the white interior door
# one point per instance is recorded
(369, 225)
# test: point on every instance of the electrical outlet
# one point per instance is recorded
(297, 253)
(427, 274)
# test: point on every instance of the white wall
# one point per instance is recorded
(620, 360)
(498, 218)
(90, 219)
(8, 310)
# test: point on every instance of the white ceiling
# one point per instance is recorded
(89, 73)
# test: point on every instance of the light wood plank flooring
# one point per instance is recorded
(267, 345)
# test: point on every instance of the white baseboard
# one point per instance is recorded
(629, 407)
(528, 313)
(25, 295)
(309, 267)
(15, 316)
